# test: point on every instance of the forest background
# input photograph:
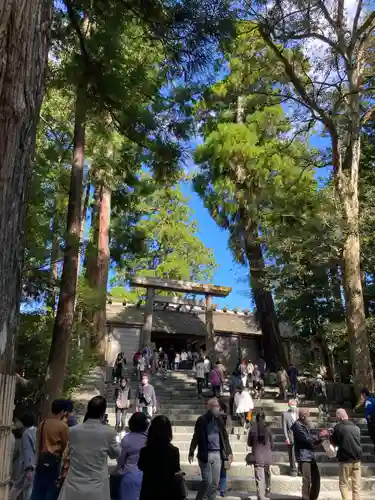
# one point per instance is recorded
(262, 112)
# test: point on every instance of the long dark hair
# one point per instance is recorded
(262, 431)
(160, 432)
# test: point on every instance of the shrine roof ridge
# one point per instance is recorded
(181, 286)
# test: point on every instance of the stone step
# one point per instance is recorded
(180, 435)
(190, 419)
(280, 452)
(284, 485)
(240, 469)
(196, 409)
(180, 430)
(243, 495)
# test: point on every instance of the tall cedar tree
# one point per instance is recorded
(25, 28)
(184, 34)
(331, 84)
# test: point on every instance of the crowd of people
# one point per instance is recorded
(161, 360)
(61, 459)
(71, 463)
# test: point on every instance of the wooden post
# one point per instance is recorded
(210, 335)
(145, 339)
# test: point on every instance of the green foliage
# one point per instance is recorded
(33, 348)
(168, 241)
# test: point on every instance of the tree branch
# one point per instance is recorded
(356, 18)
(364, 31)
(368, 115)
(318, 36)
(326, 14)
(295, 80)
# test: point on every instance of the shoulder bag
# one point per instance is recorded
(180, 485)
(47, 461)
(250, 458)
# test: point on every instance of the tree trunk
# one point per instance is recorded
(335, 274)
(25, 29)
(103, 259)
(347, 187)
(54, 270)
(85, 204)
(91, 255)
(274, 352)
(58, 355)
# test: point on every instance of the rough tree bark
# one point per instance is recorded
(102, 266)
(58, 355)
(274, 351)
(54, 270)
(85, 204)
(24, 41)
(352, 51)
(347, 188)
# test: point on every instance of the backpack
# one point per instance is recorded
(370, 405)
(215, 377)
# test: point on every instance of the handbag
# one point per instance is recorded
(250, 458)
(227, 465)
(180, 484)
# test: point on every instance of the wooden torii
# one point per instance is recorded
(152, 284)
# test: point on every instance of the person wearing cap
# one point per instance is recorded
(70, 416)
(347, 438)
(287, 419)
(304, 444)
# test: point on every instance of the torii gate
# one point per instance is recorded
(152, 284)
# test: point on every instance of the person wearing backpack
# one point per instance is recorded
(216, 380)
(260, 440)
(369, 408)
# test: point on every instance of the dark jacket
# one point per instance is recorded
(200, 438)
(159, 465)
(347, 437)
(292, 373)
(262, 451)
(304, 442)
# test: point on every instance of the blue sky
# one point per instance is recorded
(228, 273)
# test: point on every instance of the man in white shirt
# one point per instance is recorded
(200, 372)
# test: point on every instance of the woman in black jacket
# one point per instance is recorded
(159, 461)
(261, 442)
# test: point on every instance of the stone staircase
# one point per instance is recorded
(177, 399)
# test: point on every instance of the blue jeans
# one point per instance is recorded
(293, 387)
(210, 472)
(45, 478)
(223, 480)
